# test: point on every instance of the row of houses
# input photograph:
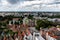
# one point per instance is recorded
(40, 35)
(26, 21)
(31, 13)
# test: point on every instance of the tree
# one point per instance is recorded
(43, 24)
(2, 18)
(16, 23)
(30, 17)
(20, 20)
(2, 24)
(9, 17)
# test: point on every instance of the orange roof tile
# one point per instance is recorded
(49, 33)
(15, 18)
(23, 33)
(28, 31)
(54, 36)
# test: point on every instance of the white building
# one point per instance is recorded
(37, 36)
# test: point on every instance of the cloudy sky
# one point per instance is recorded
(29, 5)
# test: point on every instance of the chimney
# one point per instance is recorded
(47, 35)
(9, 22)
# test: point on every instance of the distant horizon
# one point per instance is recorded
(31, 11)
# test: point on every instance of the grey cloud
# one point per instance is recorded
(13, 1)
(26, 0)
(16, 1)
(0, 0)
(29, 0)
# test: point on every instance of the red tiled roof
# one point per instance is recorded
(53, 28)
(28, 31)
(49, 32)
(56, 37)
(23, 33)
(15, 18)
